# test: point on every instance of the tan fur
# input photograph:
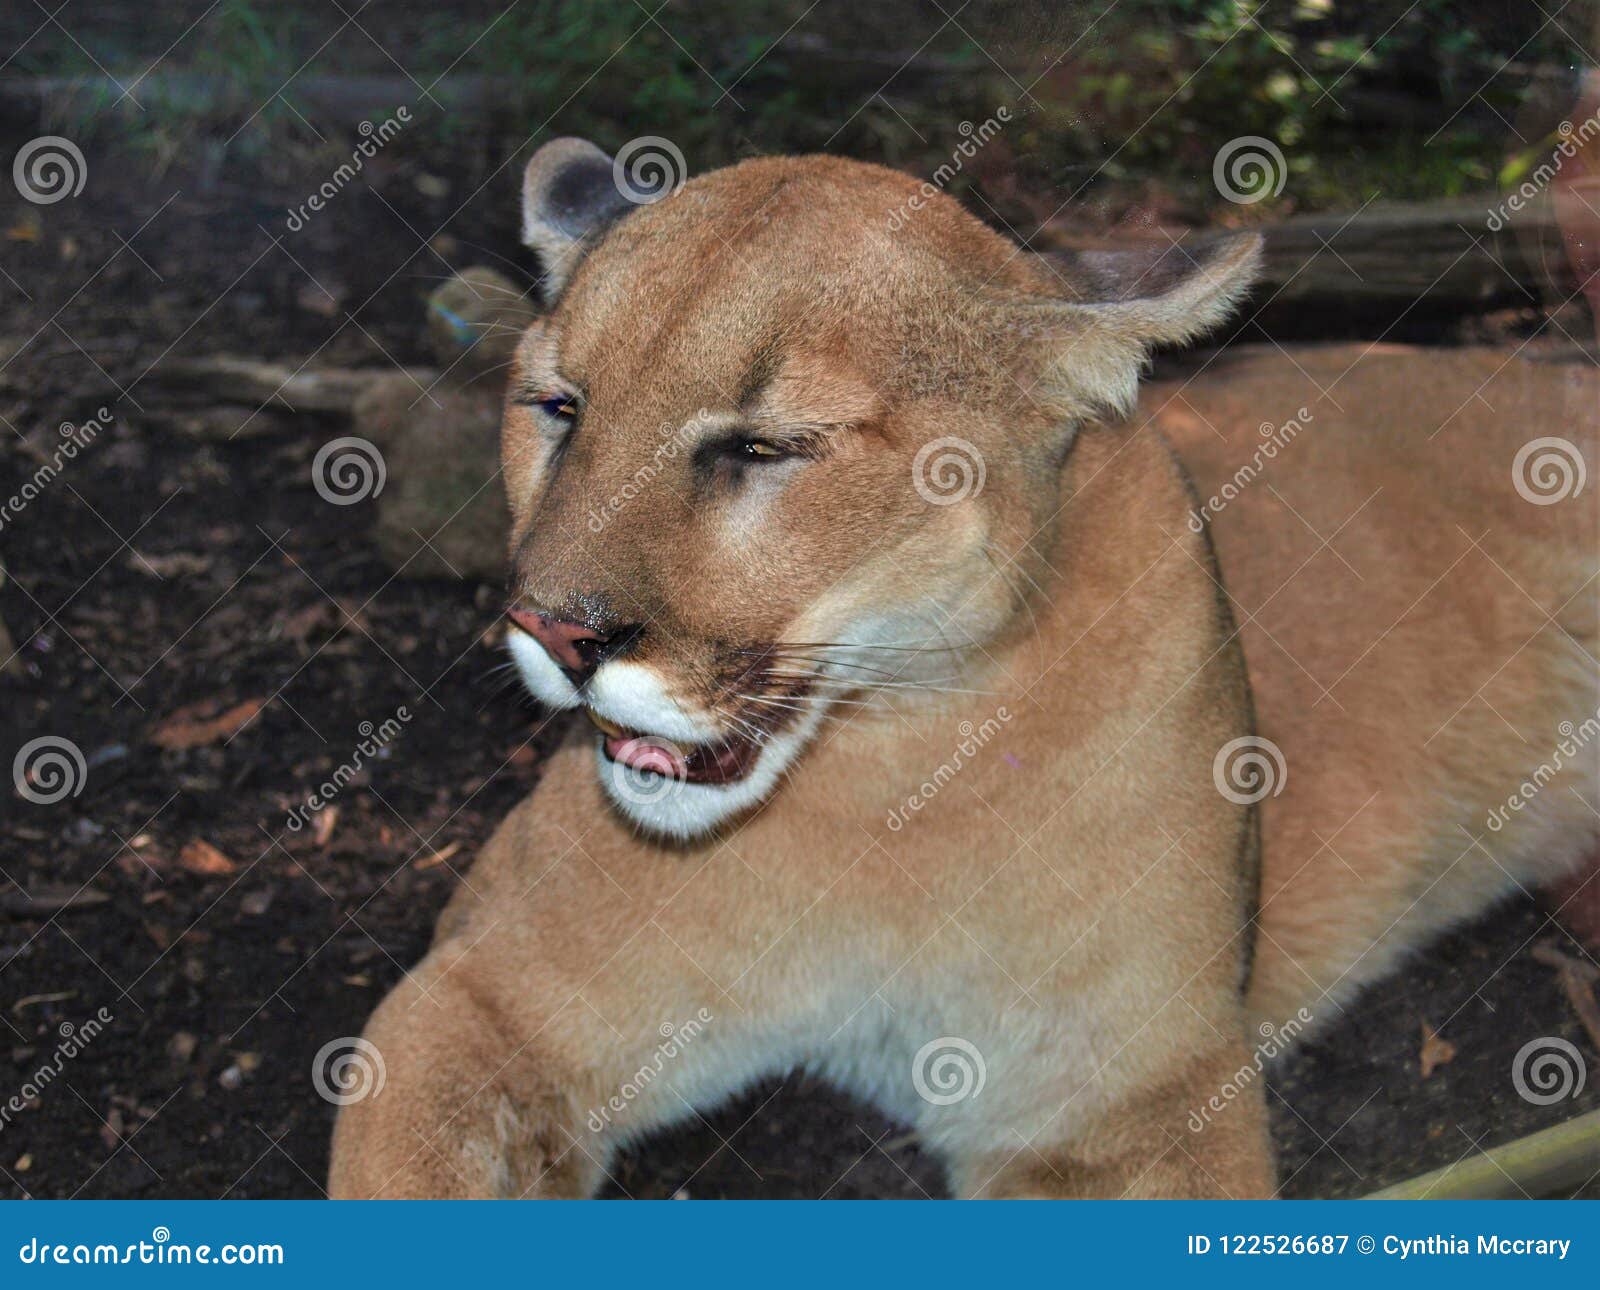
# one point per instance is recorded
(1422, 666)
(1070, 900)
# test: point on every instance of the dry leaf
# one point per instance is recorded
(439, 857)
(180, 564)
(299, 625)
(323, 823)
(1436, 1052)
(315, 300)
(199, 856)
(1579, 980)
(198, 724)
(29, 1001)
(111, 1129)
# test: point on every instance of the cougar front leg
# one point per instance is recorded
(467, 1108)
(1165, 1142)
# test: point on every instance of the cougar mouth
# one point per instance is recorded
(718, 763)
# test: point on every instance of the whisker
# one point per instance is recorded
(860, 667)
(909, 648)
(516, 269)
(939, 685)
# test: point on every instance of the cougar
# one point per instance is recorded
(920, 750)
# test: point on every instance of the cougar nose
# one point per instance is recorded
(576, 649)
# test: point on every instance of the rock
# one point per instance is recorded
(388, 407)
(475, 320)
(442, 513)
(255, 903)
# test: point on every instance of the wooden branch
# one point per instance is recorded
(281, 386)
(1543, 1164)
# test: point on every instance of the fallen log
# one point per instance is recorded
(1460, 253)
(287, 387)
(1469, 254)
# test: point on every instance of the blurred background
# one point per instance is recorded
(236, 234)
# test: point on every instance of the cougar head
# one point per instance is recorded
(773, 438)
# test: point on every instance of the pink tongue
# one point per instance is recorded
(642, 754)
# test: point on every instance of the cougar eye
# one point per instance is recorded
(730, 458)
(756, 448)
(554, 403)
(563, 407)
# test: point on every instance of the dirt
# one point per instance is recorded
(157, 572)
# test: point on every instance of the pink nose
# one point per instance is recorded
(572, 645)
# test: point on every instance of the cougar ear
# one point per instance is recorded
(1118, 305)
(570, 196)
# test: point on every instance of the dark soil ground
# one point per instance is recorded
(159, 571)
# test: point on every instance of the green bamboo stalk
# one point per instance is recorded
(1548, 1163)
